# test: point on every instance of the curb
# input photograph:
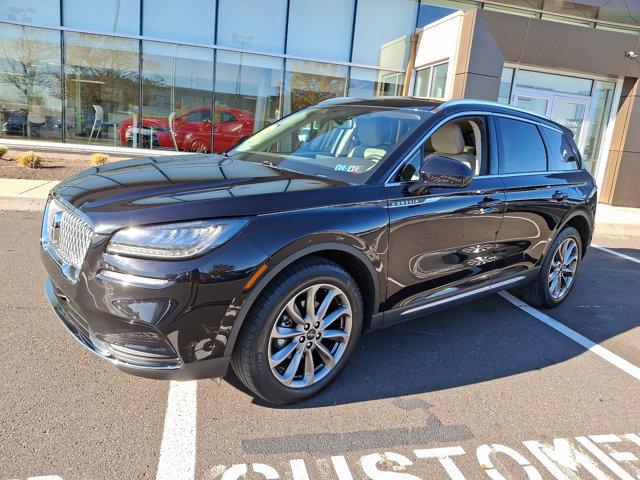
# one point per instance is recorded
(22, 204)
(617, 229)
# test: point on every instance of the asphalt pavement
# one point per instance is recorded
(485, 390)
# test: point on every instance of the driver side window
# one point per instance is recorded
(463, 139)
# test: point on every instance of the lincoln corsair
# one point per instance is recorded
(348, 216)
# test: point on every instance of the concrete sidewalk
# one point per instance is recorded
(617, 221)
(30, 195)
(24, 194)
(42, 145)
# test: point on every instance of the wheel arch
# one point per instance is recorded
(350, 258)
(579, 220)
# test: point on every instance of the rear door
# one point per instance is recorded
(538, 193)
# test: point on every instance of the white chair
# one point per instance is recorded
(98, 122)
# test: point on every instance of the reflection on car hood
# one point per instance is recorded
(195, 186)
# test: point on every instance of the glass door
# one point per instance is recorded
(571, 111)
(532, 100)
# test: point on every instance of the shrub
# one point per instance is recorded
(29, 159)
(3, 150)
(98, 159)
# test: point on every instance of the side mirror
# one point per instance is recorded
(442, 172)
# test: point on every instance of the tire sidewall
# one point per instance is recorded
(567, 232)
(284, 291)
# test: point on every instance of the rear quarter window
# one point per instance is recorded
(521, 147)
(563, 154)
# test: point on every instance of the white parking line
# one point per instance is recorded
(593, 347)
(613, 252)
(178, 449)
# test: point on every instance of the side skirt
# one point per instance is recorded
(398, 315)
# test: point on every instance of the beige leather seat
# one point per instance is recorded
(372, 134)
(448, 141)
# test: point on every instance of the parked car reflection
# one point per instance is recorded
(191, 130)
(20, 123)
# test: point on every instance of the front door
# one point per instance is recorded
(572, 111)
(442, 242)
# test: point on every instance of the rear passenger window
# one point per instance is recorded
(521, 147)
(564, 156)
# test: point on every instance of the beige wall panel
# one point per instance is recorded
(625, 190)
(486, 57)
(508, 32)
(570, 47)
(606, 191)
(481, 87)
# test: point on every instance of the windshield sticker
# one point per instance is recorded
(350, 168)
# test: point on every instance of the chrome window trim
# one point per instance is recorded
(405, 158)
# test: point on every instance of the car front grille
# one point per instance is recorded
(69, 235)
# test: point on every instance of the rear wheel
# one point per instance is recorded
(558, 272)
(300, 332)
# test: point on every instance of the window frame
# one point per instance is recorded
(488, 144)
(500, 144)
(431, 68)
(557, 160)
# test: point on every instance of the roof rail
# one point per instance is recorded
(467, 101)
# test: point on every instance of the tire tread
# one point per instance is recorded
(242, 359)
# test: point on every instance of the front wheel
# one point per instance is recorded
(300, 332)
(558, 271)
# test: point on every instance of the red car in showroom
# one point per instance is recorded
(192, 129)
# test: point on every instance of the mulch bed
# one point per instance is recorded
(55, 165)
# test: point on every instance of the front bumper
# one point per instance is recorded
(159, 367)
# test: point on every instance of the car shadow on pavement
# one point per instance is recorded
(481, 341)
(468, 344)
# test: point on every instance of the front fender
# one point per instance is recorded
(359, 231)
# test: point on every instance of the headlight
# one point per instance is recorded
(174, 240)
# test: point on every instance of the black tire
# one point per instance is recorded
(250, 358)
(537, 292)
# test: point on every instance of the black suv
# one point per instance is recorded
(351, 215)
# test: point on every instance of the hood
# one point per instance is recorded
(166, 189)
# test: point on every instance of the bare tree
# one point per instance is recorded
(27, 66)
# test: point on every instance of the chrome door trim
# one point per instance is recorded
(486, 288)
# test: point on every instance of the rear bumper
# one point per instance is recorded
(148, 365)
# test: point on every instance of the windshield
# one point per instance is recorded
(340, 142)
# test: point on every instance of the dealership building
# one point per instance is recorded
(202, 74)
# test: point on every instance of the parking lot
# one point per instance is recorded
(486, 390)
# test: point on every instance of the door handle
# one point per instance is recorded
(489, 201)
(559, 196)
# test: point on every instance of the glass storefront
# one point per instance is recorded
(248, 93)
(102, 88)
(192, 75)
(177, 85)
(308, 83)
(583, 105)
(30, 87)
(365, 82)
(202, 75)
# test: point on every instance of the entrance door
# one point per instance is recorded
(572, 111)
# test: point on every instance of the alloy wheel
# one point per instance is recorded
(310, 335)
(563, 268)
